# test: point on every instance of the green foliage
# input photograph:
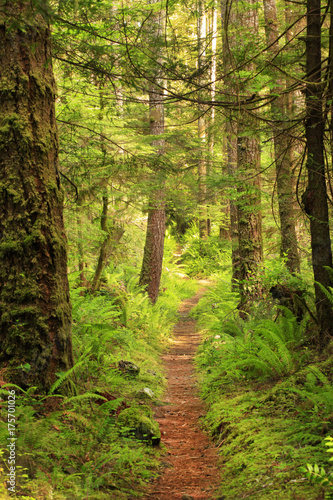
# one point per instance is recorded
(261, 349)
(253, 350)
(69, 444)
(204, 257)
(269, 401)
(318, 475)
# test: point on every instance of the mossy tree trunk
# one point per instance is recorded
(35, 310)
(151, 269)
(282, 146)
(315, 197)
(249, 217)
(249, 182)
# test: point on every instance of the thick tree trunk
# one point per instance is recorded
(249, 217)
(249, 201)
(35, 311)
(315, 197)
(151, 270)
(282, 147)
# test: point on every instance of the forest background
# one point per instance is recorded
(207, 122)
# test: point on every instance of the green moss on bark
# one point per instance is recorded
(35, 312)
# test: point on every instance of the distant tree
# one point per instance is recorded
(202, 161)
(153, 251)
(228, 15)
(35, 310)
(282, 143)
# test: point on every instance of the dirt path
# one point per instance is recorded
(190, 467)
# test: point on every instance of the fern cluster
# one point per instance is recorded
(268, 394)
(69, 442)
(264, 350)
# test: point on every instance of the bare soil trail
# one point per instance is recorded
(190, 467)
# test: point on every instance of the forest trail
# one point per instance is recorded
(189, 470)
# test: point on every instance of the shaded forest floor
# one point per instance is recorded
(189, 470)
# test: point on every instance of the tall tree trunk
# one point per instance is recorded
(104, 248)
(151, 270)
(282, 147)
(202, 161)
(249, 201)
(35, 310)
(315, 197)
(249, 215)
(80, 254)
(229, 43)
(211, 127)
(294, 102)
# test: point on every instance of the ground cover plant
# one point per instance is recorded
(77, 441)
(269, 394)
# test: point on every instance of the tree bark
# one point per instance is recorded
(315, 197)
(202, 161)
(282, 146)
(35, 310)
(249, 216)
(229, 43)
(249, 187)
(151, 270)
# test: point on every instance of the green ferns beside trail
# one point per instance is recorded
(263, 350)
(270, 398)
(71, 443)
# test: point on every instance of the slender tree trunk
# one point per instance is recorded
(229, 43)
(151, 270)
(80, 253)
(315, 197)
(202, 162)
(35, 310)
(232, 170)
(104, 248)
(211, 127)
(282, 147)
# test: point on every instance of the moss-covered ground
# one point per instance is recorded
(268, 424)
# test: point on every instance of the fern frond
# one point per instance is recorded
(87, 395)
(67, 374)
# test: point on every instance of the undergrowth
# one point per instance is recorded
(269, 395)
(202, 258)
(69, 443)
